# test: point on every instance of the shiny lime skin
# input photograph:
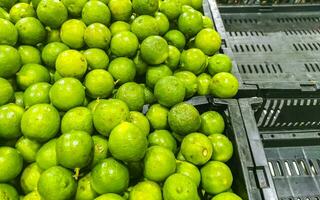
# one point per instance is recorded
(30, 177)
(77, 119)
(52, 13)
(99, 83)
(31, 31)
(46, 156)
(124, 43)
(28, 148)
(132, 94)
(72, 33)
(10, 118)
(6, 91)
(10, 61)
(21, 10)
(51, 51)
(97, 35)
(36, 94)
(8, 33)
(96, 12)
(29, 54)
(11, 163)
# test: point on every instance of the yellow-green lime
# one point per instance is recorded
(18, 99)
(119, 26)
(53, 35)
(162, 22)
(100, 149)
(36, 94)
(219, 63)
(46, 156)
(32, 196)
(141, 65)
(28, 148)
(52, 13)
(142, 7)
(120, 10)
(29, 54)
(158, 116)
(193, 60)
(140, 121)
(96, 58)
(51, 52)
(72, 33)
(96, 12)
(226, 195)
(109, 196)
(224, 85)
(122, 69)
(84, 189)
(155, 73)
(175, 38)
(30, 74)
(171, 8)
(212, 122)
(8, 33)
(10, 164)
(173, 59)
(74, 6)
(71, 63)
(30, 177)
(190, 23)
(222, 147)
(208, 40)
(99, 83)
(163, 138)
(189, 81)
(204, 80)
(144, 26)
(31, 31)
(154, 50)
(207, 22)
(97, 35)
(148, 95)
(132, 94)
(190, 171)
(10, 61)
(10, 118)
(146, 190)
(8, 192)
(124, 43)
(77, 119)
(6, 92)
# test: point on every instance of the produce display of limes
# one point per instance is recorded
(94, 101)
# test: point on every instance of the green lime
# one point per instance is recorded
(66, 100)
(109, 176)
(77, 119)
(222, 147)
(169, 91)
(51, 52)
(52, 13)
(146, 190)
(53, 36)
(72, 33)
(158, 117)
(11, 163)
(162, 22)
(142, 7)
(9, 60)
(141, 65)
(31, 31)
(144, 26)
(40, 122)
(122, 69)
(216, 177)
(171, 8)
(207, 22)
(204, 80)
(84, 189)
(36, 94)
(224, 85)
(96, 12)
(108, 114)
(184, 118)
(148, 95)
(7, 4)
(109, 196)
(46, 156)
(97, 35)
(219, 63)
(226, 195)
(193, 60)
(18, 98)
(120, 10)
(28, 148)
(190, 23)
(30, 177)
(100, 150)
(189, 81)
(10, 118)
(132, 94)
(74, 6)
(32, 73)
(71, 63)
(32, 196)
(96, 58)
(163, 138)
(119, 26)
(190, 171)
(173, 57)
(154, 74)
(6, 92)
(212, 122)
(4, 14)
(124, 43)
(99, 83)
(141, 121)
(29, 54)
(152, 55)
(159, 163)
(7, 191)
(57, 183)
(208, 41)
(180, 187)
(8, 33)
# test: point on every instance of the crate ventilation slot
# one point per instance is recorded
(299, 167)
(246, 33)
(312, 67)
(252, 48)
(307, 46)
(260, 68)
(240, 21)
(298, 19)
(302, 198)
(302, 32)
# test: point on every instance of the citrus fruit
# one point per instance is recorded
(96, 58)
(162, 22)
(141, 121)
(184, 118)
(99, 83)
(222, 147)
(119, 26)
(7, 4)
(190, 23)
(10, 118)
(216, 177)
(154, 50)
(224, 85)
(219, 63)
(203, 84)
(141, 65)
(163, 138)
(154, 74)
(120, 10)
(29, 54)
(31, 31)
(189, 170)
(78, 119)
(74, 149)
(8, 33)
(51, 52)
(30, 177)
(226, 195)
(173, 57)
(97, 35)
(8, 192)
(57, 183)
(9, 60)
(148, 95)
(144, 26)
(212, 122)
(207, 22)
(32, 196)
(10, 163)
(169, 91)
(66, 100)
(27, 148)
(132, 94)
(100, 150)
(4, 14)
(84, 189)
(52, 13)
(109, 176)
(96, 12)
(108, 114)
(193, 60)
(46, 156)
(189, 81)
(72, 33)
(30, 74)
(18, 98)
(6, 92)
(127, 142)
(142, 7)
(109, 196)
(71, 63)
(146, 190)
(122, 69)
(36, 94)
(158, 116)
(124, 43)
(74, 6)
(179, 187)
(171, 8)
(175, 38)
(208, 40)
(53, 36)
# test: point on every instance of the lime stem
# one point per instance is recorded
(77, 173)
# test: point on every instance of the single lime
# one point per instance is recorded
(219, 63)
(124, 43)
(132, 94)
(155, 73)
(77, 119)
(226, 195)
(208, 40)
(173, 59)
(29, 54)
(10, 61)
(96, 12)
(141, 121)
(162, 22)
(119, 26)
(96, 58)
(144, 26)
(163, 138)
(52, 13)
(10, 118)
(30, 74)
(97, 35)
(189, 170)
(28, 148)
(72, 33)
(193, 60)
(146, 190)
(30, 177)
(109, 196)
(222, 147)
(6, 92)
(122, 69)
(207, 22)
(142, 7)
(171, 8)
(31, 31)
(8, 33)
(8, 192)
(224, 85)
(120, 10)
(51, 51)
(18, 99)
(100, 151)
(46, 156)
(74, 6)
(175, 38)
(152, 55)
(212, 122)
(158, 117)
(190, 23)
(99, 83)
(36, 94)
(53, 35)
(11, 163)
(71, 63)
(189, 81)
(204, 80)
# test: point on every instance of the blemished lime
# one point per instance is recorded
(189, 170)
(100, 150)
(96, 12)
(119, 26)
(189, 81)
(152, 55)
(46, 156)
(51, 52)
(30, 74)
(132, 94)
(222, 147)
(77, 119)
(190, 23)
(30, 177)
(146, 190)
(96, 58)
(155, 73)
(31, 31)
(193, 60)
(158, 116)
(212, 122)
(163, 138)
(226, 195)
(21, 10)
(10, 118)
(52, 13)
(173, 57)
(208, 40)
(122, 69)
(97, 35)
(109, 196)
(36, 94)
(224, 85)
(99, 83)
(6, 92)
(120, 10)
(27, 148)
(144, 26)
(8, 192)
(8, 33)
(219, 63)
(175, 38)
(140, 121)
(11, 163)
(74, 6)
(204, 80)
(71, 63)
(72, 33)
(84, 189)
(124, 43)
(145, 7)
(10, 61)
(171, 8)
(29, 54)
(162, 22)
